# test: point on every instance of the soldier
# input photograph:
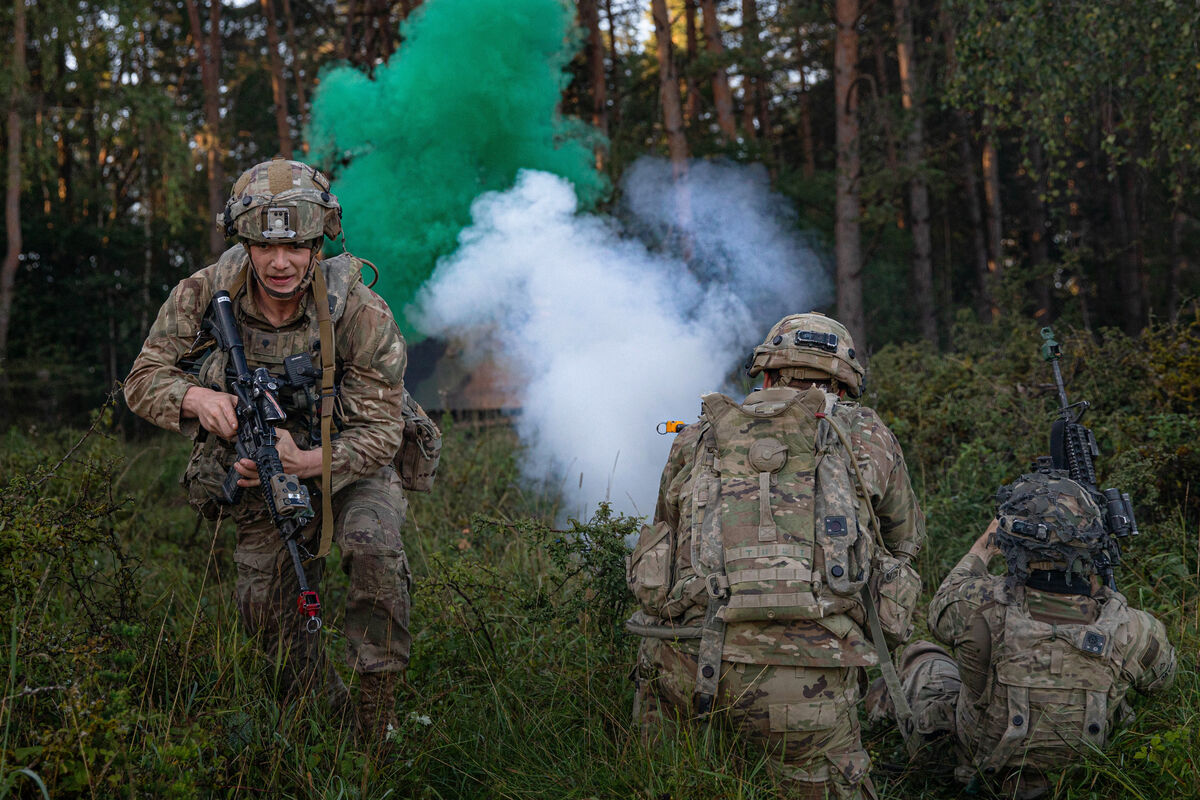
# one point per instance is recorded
(281, 211)
(1045, 655)
(773, 516)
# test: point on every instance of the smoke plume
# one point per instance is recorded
(469, 99)
(604, 329)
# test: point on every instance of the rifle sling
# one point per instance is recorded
(904, 714)
(325, 327)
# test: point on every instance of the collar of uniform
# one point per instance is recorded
(250, 307)
(776, 394)
(1061, 609)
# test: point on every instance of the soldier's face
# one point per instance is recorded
(280, 267)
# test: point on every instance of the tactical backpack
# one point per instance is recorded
(766, 545)
(1054, 690)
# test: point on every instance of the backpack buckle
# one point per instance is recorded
(717, 585)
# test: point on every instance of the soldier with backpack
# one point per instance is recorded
(1045, 655)
(337, 357)
(783, 534)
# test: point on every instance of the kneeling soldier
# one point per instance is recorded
(1045, 656)
(776, 518)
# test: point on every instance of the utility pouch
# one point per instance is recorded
(896, 589)
(648, 568)
(421, 449)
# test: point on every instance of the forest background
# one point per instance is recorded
(971, 170)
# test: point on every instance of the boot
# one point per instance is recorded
(375, 714)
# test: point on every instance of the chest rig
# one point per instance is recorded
(305, 387)
(1052, 688)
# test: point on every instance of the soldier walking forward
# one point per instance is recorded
(1045, 656)
(777, 517)
(280, 211)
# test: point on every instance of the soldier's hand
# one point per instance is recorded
(984, 546)
(301, 463)
(215, 410)
(249, 472)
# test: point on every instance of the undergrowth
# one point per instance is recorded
(126, 672)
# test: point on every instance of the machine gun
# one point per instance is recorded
(1073, 448)
(258, 411)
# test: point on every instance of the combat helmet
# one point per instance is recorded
(1049, 522)
(279, 202)
(807, 347)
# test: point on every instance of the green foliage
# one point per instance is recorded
(126, 668)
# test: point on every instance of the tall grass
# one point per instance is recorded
(127, 674)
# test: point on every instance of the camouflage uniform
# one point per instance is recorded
(1039, 675)
(791, 686)
(368, 502)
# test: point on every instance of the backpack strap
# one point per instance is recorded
(891, 678)
(707, 548)
(325, 327)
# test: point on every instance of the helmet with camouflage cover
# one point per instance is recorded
(810, 346)
(280, 202)
(1048, 522)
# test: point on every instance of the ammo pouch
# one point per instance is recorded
(648, 568)
(896, 588)
(420, 450)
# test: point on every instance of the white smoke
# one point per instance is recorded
(604, 338)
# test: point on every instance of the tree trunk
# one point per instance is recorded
(751, 63)
(677, 144)
(297, 76)
(1039, 249)
(1139, 303)
(612, 52)
(1128, 273)
(589, 17)
(806, 131)
(209, 56)
(847, 243)
(918, 190)
(691, 111)
(283, 128)
(722, 97)
(995, 225)
(882, 92)
(12, 191)
(966, 155)
(1180, 263)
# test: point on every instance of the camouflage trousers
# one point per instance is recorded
(805, 718)
(368, 515)
(931, 681)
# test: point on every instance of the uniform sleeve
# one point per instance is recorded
(669, 486)
(882, 462)
(1151, 662)
(964, 591)
(156, 386)
(372, 389)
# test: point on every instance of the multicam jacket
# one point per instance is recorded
(1043, 674)
(833, 641)
(370, 361)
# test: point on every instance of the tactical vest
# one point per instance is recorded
(1053, 690)
(763, 539)
(269, 349)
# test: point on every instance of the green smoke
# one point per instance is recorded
(470, 98)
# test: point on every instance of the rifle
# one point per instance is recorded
(1073, 448)
(258, 411)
